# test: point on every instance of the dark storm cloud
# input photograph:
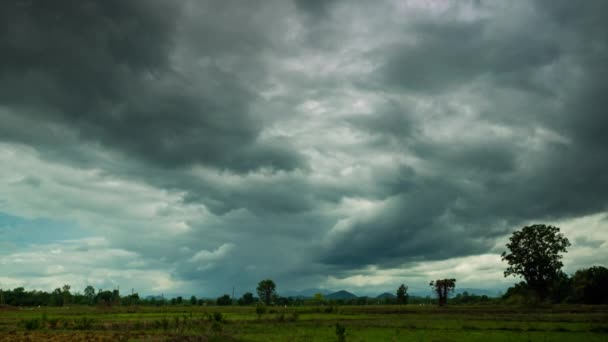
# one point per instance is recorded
(317, 8)
(447, 54)
(485, 186)
(307, 139)
(391, 121)
(102, 69)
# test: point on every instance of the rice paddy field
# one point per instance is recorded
(309, 323)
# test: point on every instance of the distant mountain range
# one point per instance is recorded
(307, 293)
(345, 295)
(386, 295)
(470, 291)
(342, 294)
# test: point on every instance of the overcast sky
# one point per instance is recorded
(192, 146)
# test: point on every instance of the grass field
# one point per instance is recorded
(361, 323)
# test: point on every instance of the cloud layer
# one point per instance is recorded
(203, 145)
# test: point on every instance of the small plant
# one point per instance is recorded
(340, 332)
(218, 317)
(295, 315)
(84, 323)
(260, 310)
(217, 328)
(53, 323)
(31, 324)
(164, 323)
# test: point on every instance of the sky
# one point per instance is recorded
(190, 146)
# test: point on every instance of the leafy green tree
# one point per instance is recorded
(57, 297)
(224, 300)
(67, 296)
(535, 254)
(246, 299)
(590, 285)
(266, 290)
(442, 288)
(132, 299)
(402, 296)
(89, 293)
(105, 297)
(193, 300)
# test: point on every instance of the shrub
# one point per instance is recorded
(217, 328)
(164, 323)
(260, 310)
(31, 324)
(294, 316)
(340, 332)
(53, 323)
(84, 323)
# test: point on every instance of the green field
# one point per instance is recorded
(362, 323)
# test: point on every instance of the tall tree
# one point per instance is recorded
(535, 254)
(266, 289)
(67, 296)
(402, 295)
(442, 288)
(89, 293)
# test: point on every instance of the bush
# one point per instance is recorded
(54, 323)
(260, 310)
(340, 332)
(294, 316)
(217, 328)
(32, 324)
(84, 323)
(164, 323)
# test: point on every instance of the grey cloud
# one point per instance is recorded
(470, 127)
(314, 7)
(589, 242)
(104, 70)
(447, 54)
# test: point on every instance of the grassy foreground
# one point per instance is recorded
(361, 323)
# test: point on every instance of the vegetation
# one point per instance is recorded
(306, 323)
(266, 290)
(402, 295)
(105, 315)
(535, 254)
(590, 285)
(443, 288)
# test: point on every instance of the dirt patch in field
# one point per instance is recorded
(7, 308)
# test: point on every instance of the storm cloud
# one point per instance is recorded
(203, 144)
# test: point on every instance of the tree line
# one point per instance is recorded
(534, 254)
